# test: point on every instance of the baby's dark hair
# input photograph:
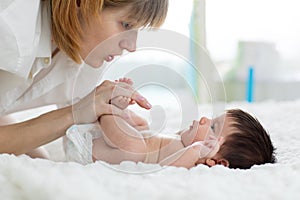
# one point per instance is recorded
(249, 144)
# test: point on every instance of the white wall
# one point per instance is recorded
(268, 33)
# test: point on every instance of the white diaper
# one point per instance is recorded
(78, 142)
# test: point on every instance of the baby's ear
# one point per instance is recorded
(223, 162)
(212, 162)
(221, 140)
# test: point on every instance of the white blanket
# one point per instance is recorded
(26, 178)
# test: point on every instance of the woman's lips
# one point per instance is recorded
(109, 58)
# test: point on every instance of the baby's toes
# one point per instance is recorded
(121, 102)
(128, 100)
(126, 80)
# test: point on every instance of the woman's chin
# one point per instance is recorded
(94, 63)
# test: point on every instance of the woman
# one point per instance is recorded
(43, 44)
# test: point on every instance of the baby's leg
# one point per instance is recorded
(119, 141)
(137, 121)
(39, 152)
(121, 101)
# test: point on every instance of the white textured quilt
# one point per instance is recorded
(25, 178)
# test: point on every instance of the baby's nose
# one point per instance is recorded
(203, 120)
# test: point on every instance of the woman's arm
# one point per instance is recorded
(22, 137)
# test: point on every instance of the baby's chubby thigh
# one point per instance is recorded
(153, 144)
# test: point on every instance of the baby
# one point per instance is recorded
(235, 140)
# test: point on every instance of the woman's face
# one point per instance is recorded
(106, 38)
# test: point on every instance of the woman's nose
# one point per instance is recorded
(129, 40)
(204, 120)
(128, 45)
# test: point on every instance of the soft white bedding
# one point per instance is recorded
(25, 178)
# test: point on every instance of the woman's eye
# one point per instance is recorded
(126, 25)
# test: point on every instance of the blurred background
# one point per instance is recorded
(254, 45)
(263, 34)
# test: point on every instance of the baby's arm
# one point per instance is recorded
(122, 140)
(194, 154)
(187, 158)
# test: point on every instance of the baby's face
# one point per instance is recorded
(206, 128)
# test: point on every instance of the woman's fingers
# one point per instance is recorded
(127, 83)
(141, 101)
(114, 89)
(124, 89)
(113, 110)
(97, 103)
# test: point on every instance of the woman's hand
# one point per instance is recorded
(97, 103)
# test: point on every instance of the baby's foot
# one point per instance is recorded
(122, 102)
(125, 80)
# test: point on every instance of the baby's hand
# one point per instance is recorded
(208, 148)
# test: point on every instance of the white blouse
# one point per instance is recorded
(29, 78)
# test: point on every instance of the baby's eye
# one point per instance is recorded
(212, 126)
(126, 25)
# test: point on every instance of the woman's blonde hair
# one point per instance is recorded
(66, 26)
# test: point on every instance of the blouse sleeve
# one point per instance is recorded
(20, 27)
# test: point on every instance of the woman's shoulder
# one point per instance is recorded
(22, 30)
